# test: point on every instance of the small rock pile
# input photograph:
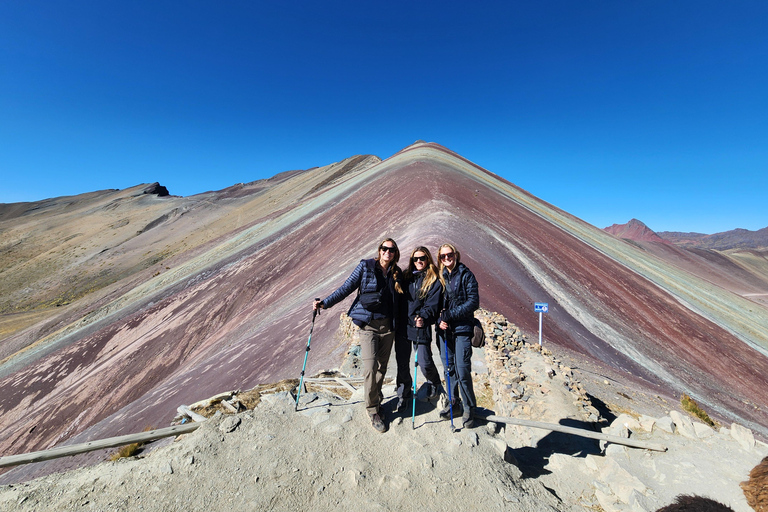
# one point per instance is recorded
(510, 360)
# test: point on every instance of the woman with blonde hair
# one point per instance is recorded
(460, 301)
(424, 293)
(377, 281)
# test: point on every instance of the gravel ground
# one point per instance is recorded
(323, 457)
(327, 455)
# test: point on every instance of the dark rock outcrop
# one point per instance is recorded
(157, 189)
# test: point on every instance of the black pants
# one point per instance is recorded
(427, 363)
(404, 381)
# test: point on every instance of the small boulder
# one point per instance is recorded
(683, 424)
(647, 423)
(743, 436)
(666, 424)
(621, 482)
(703, 431)
(560, 462)
(229, 424)
(625, 423)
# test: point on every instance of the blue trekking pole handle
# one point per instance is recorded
(306, 354)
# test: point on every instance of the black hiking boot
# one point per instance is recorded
(468, 418)
(433, 391)
(402, 402)
(457, 410)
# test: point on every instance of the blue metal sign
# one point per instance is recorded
(541, 307)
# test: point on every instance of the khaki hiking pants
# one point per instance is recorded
(376, 340)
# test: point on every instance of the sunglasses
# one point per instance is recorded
(419, 258)
(388, 249)
(447, 256)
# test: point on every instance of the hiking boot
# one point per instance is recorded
(433, 391)
(402, 403)
(446, 412)
(378, 423)
(468, 418)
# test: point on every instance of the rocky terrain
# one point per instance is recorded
(327, 456)
(117, 306)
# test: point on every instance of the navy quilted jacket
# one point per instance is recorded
(363, 278)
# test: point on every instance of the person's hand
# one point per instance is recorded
(317, 304)
(419, 321)
(443, 325)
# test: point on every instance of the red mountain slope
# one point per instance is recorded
(228, 306)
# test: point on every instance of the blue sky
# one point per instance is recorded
(608, 110)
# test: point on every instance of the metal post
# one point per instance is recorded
(540, 316)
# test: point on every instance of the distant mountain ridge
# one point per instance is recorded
(735, 260)
(733, 239)
(727, 240)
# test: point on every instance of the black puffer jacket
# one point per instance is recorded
(461, 299)
(427, 308)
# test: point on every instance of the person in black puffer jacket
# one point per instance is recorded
(461, 300)
(424, 295)
(377, 281)
(419, 312)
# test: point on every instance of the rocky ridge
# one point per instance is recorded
(739, 239)
(327, 455)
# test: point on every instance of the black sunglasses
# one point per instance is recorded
(388, 249)
(448, 255)
(419, 258)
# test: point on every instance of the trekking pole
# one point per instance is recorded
(448, 378)
(415, 374)
(304, 367)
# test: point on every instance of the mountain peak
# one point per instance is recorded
(635, 230)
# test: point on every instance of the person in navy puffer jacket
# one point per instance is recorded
(461, 300)
(377, 281)
(424, 295)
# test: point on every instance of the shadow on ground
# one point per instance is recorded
(532, 460)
